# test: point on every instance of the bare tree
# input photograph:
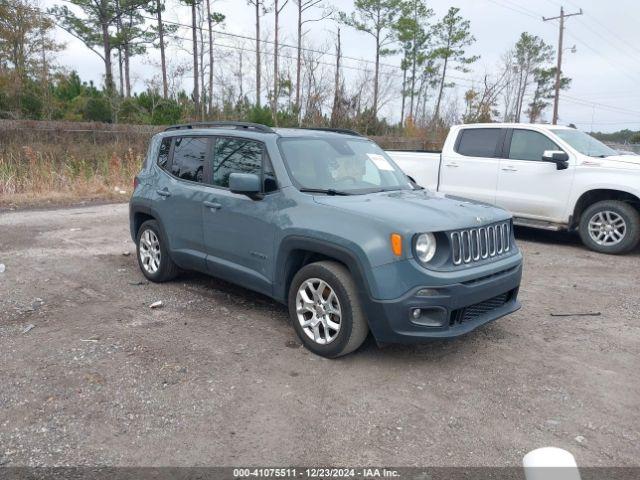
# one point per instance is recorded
(277, 10)
(337, 85)
(303, 7)
(260, 10)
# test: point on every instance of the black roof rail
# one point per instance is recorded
(222, 124)
(345, 131)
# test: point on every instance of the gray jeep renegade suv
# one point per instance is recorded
(324, 221)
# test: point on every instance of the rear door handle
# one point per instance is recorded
(213, 205)
(163, 193)
(452, 165)
(509, 169)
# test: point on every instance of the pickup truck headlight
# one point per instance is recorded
(425, 247)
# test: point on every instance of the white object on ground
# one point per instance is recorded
(550, 463)
(157, 304)
(28, 328)
(2, 268)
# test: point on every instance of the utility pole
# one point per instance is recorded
(562, 16)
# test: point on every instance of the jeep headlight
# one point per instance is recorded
(425, 247)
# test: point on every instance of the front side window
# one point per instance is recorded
(235, 155)
(479, 142)
(352, 165)
(530, 145)
(189, 155)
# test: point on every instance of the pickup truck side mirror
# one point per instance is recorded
(245, 183)
(560, 158)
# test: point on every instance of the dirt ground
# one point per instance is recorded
(218, 377)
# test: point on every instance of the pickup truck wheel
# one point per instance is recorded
(153, 256)
(325, 309)
(610, 226)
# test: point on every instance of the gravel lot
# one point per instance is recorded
(218, 377)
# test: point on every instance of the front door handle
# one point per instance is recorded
(164, 193)
(509, 169)
(213, 205)
(451, 165)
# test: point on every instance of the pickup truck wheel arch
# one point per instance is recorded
(594, 196)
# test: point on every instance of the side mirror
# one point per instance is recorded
(245, 183)
(560, 158)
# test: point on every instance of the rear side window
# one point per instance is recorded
(529, 145)
(189, 155)
(479, 142)
(235, 155)
(163, 153)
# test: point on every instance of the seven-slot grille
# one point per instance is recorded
(475, 244)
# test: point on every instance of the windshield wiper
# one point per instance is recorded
(327, 191)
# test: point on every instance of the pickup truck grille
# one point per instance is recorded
(476, 244)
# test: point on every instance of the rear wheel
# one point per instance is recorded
(325, 309)
(153, 254)
(610, 226)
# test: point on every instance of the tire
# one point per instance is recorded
(623, 220)
(151, 235)
(353, 327)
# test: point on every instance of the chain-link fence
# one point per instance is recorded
(626, 147)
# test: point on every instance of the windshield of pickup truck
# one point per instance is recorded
(584, 143)
(341, 166)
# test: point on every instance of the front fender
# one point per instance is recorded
(342, 250)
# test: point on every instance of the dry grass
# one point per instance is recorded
(39, 174)
(57, 166)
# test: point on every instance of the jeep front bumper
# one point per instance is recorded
(448, 310)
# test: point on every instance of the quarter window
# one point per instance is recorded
(235, 155)
(163, 153)
(479, 142)
(529, 145)
(189, 155)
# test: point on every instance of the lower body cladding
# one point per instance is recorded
(445, 311)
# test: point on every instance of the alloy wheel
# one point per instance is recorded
(607, 228)
(318, 311)
(150, 251)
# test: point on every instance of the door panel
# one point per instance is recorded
(239, 232)
(529, 187)
(471, 171)
(178, 200)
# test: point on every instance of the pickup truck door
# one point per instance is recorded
(528, 186)
(471, 169)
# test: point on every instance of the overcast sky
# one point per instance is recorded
(605, 68)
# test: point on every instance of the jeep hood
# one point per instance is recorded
(417, 210)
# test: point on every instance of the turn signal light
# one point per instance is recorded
(396, 244)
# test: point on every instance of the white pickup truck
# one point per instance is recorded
(549, 177)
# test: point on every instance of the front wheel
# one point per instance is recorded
(610, 226)
(325, 309)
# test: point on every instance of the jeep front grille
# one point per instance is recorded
(476, 244)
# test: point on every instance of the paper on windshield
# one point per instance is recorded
(380, 162)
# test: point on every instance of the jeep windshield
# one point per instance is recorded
(584, 143)
(340, 166)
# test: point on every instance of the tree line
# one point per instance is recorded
(416, 61)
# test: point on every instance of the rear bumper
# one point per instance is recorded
(447, 310)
